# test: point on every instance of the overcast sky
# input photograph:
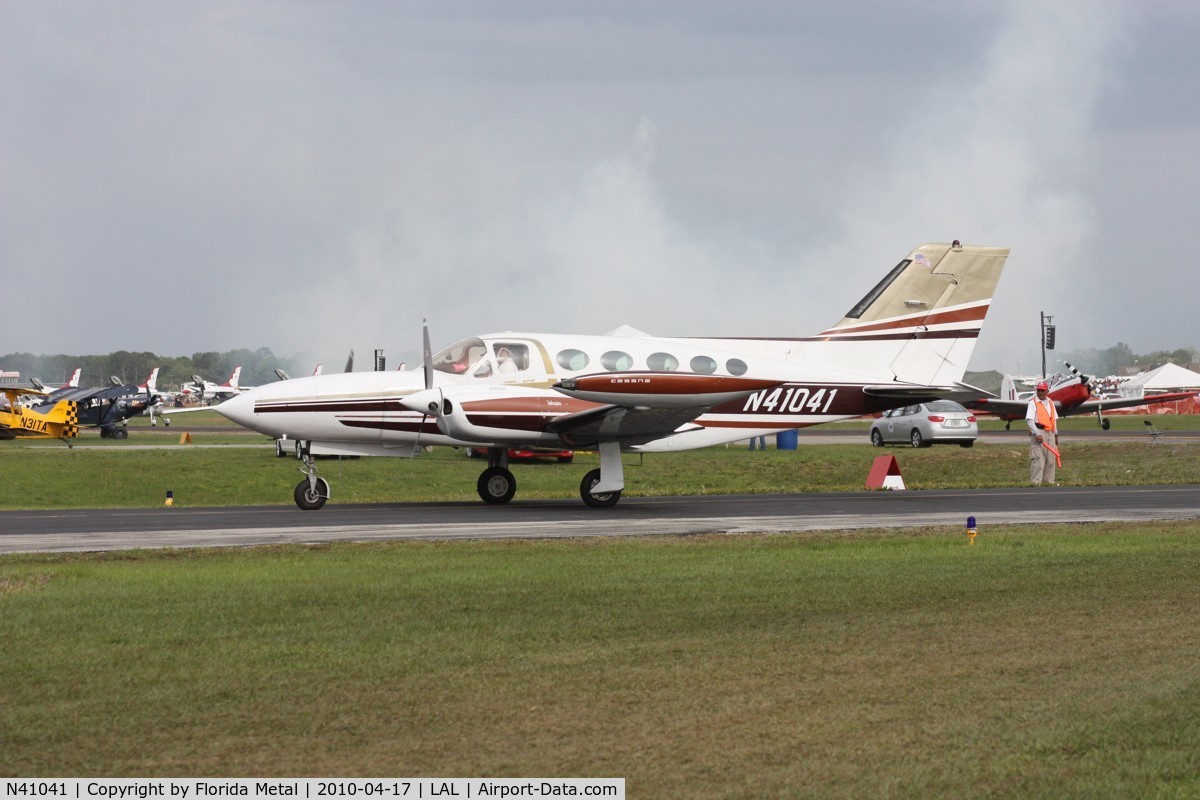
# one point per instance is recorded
(318, 176)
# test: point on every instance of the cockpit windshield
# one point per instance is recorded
(460, 357)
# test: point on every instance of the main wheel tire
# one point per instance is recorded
(120, 433)
(496, 485)
(876, 438)
(307, 499)
(917, 439)
(1105, 424)
(605, 500)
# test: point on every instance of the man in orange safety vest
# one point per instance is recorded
(1042, 418)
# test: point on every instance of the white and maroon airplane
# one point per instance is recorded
(908, 339)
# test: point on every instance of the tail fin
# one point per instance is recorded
(1008, 388)
(74, 382)
(317, 371)
(233, 378)
(151, 384)
(921, 322)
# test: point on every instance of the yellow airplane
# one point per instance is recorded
(60, 421)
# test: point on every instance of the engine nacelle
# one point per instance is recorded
(494, 414)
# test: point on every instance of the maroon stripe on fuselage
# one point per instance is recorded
(330, 406)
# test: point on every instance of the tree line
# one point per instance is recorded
(1120, 359)
(258, 366)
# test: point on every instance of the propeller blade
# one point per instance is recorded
(427, 354)
(1084, 379)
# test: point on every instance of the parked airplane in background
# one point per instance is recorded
(1072, 395)
(909, 339)
(71, 383)
(107, 407)
(54, 419)
(215, 392)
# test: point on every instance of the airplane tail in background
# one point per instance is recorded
(234, 377)
(74, 382)
(151, 384)
(920, 323)
(1008, 388)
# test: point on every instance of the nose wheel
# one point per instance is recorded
(312, 492)
(310, 498)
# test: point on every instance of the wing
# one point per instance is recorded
(1004, 409)
(629, 425)
(1092, 406)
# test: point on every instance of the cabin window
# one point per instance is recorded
(616, 361)
(735, 366)
(703, 365)
(573, 360)
(662, 362)
(511, 357)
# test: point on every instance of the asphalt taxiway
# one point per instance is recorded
(179, 527)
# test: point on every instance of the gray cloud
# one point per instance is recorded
(316, 177)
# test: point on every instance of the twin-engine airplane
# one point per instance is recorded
(58, 419)
(909, 339)
(1072, 395)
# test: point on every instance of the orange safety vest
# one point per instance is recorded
(1045, 416)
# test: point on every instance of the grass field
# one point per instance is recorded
(1047, 663)
(124, 477)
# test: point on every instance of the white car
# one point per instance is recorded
(924, 424)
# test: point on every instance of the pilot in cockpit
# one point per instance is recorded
(505, 360)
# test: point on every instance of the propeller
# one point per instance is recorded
(427, 367)
(1085, 380)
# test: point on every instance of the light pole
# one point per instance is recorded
(1047, 339)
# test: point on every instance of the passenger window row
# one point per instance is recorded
(618, 361)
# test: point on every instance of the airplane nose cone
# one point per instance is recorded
(240, 409)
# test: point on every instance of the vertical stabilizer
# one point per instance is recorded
(921, 322)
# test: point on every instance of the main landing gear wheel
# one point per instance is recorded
(1105, 424)
(605, 500)
(120, 433)
(876, 439)
(309, 500)
(496, 485)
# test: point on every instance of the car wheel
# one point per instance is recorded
(876, 438)
(917, 439)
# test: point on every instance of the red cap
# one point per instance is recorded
(1043, 385)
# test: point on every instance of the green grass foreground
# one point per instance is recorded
(1048, 663)
(41, 477)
